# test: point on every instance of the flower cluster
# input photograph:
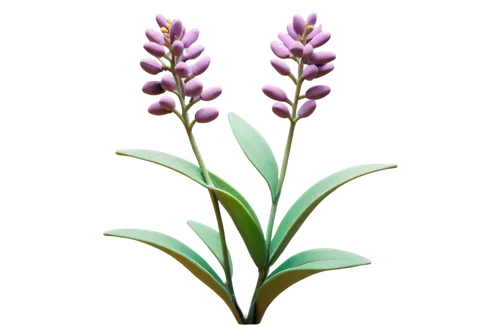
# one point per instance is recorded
(174, 45)
(299, 43)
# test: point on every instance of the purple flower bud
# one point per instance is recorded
(190, 37)
(182, 69)
(291, 32)
(281, 110)
(161, 20)
(152, 88)
(193, 88)
(308, 51)
(320, 39)
(315, 31)
(311, 19)
(168, 82)
(150, 66)
(157, 110)
(175, 30)
(274, 93)
(297, 49)
(155, 36)
(310, 72)
(307, 109)
(194, 52)
(177, 48)
(285, 38)
(325, 69)
(317, 92)
(211, 93)
(200, 66)
(206, 115)
(154, 49)
(280, 66)
(167, 103)
(321, 58)
(183, 32)
(280, 50)
(298, 24)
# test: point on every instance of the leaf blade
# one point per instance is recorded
(310, 199)
(249, 229)
(256, 149)
(212, 240)
(184, 255)
(299, 267)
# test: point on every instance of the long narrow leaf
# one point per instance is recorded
(212, 240)
(257, 150)
(251, 235)
(299, 267)
(305, 205)
(187, 168)
(183, 254)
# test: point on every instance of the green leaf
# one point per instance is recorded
(189, 169)
(183, 254)
(257, 150)
(251, 235)
(311, 198)
(212, 240)
(299, 267)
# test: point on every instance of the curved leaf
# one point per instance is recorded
(212, 240)
(187, 168)
(299, 267)
(183, 254)
(251, 235)
(257, 150)
(311, 198)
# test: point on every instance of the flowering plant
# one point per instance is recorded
(173, 48)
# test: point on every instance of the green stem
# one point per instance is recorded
(215, 202)
(272, 215)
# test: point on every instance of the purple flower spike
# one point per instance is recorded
(177, 48)
(182, 69)
(291, 32)
(200, 66)
(194, 52)
(317, 92)
(280, 67)
(310, 72)
(193, 88)
(274, 93)
(155, 36)
(150, 66)
(321, 58)
(285, 38)
(157, 110)
(281, 110)
(307, 109)
(311, 19)
(161, 20)
(315, 31)
(325, 69)
(298, 24)
(175, 30)
(152, 88)
(297, 49)
(280, 50)
(168, 82)
(156, 50)
(167, 103)
(211, 93)
(308, 51)
(190, 37)
(206, 115)
(320, 39)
